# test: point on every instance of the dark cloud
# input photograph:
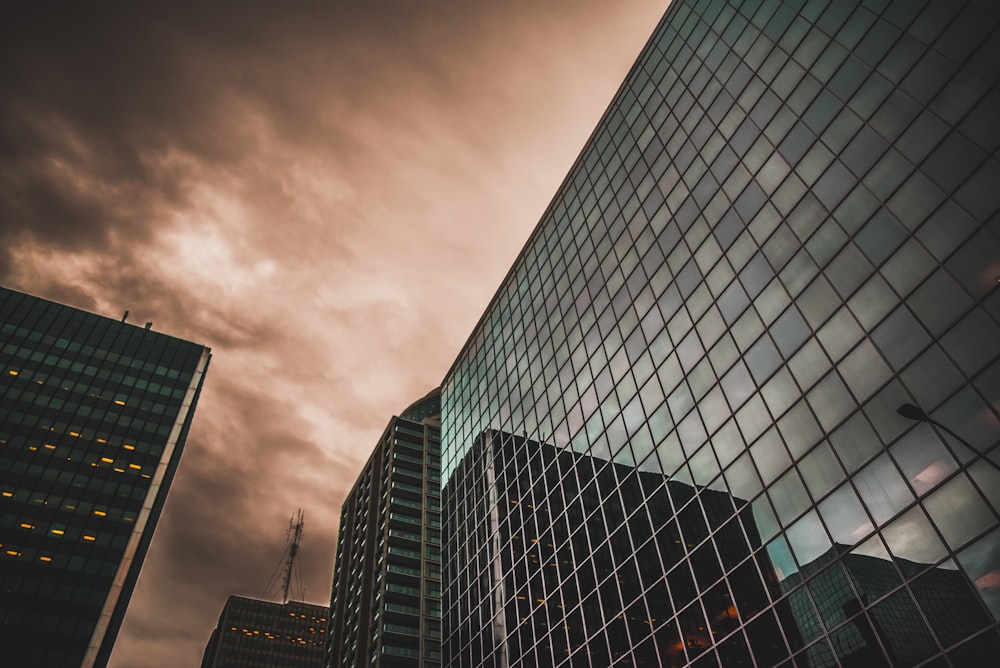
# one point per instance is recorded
(326, 192)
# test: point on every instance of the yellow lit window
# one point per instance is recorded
(145, 475)
(100, 513)
(49, 446)
(13, 372)
(13, 553)
(119, 402)
(44, 558)
(25, 525)
(90, 538)
(118, 470)
(137, 467)
(128, 447)
(102, 440)
(107, 460)
(33, 447)
(75, 434)
(58, 532)
(8, 494)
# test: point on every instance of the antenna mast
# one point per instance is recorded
(294, 537)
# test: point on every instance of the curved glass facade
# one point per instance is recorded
(736, 403)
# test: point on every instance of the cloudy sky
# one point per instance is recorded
(327, 193)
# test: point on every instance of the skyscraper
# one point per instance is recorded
(736, 402)
(385, 608)
(252, 632)
(93, 418)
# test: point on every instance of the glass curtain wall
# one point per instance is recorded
(736, 402)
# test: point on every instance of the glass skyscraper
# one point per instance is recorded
(736, 402)
(385, 607)
(93, 418)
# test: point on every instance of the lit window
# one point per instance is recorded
(13, 372)
(91, 538)
(25, 525)
(8, 494)
(13, 553)
(137, 467)
(45, 558)
(128, 447)
(107, 460)
(58, 532)
(100, 513)
(119, 402)
(75, 434)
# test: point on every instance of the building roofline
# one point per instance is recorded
(555, 198)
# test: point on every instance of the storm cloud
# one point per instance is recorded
(327, 193)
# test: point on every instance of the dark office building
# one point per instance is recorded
(263, 634)
(743, 380)
(544, 517)
(93, 418)
(385, 607)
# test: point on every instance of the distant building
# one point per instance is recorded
(386, 603)
(93, 417)
(252, 632)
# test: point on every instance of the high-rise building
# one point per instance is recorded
(385, 607)
(252, 632)
(736, 402)
(93, 418)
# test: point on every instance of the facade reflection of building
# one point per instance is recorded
(841, 584)
(629, 536)
(632, 536)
